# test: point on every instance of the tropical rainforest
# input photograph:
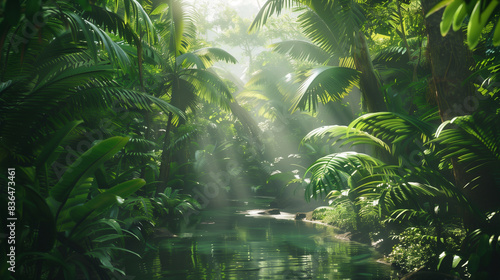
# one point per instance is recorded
(122, 120)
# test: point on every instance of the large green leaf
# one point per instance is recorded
(125, 189)
(78, 196)
(85, 165)
(106, 199)
(48, 151)
(37, 209)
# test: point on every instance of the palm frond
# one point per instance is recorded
(332, 172)
(92, 33)
(110, 94)
(347, 62)
(347, 135)
(150, 54)
(393, 127)
(270, 8)
(188, 60)
(204, 58)
(391, 55)
(253, 95)
(113, 23)
(211, 55)
(176, 22)
(302, 50)
(324, 84)
(61, 49)
(474, 142)
(209, 86)
(400, 215)
(260, 102)
(141, 144)
(350, 16)
(272, 83)
(320, 32)
(138, 156)
(137, 18)
(407, 195)
(183, 93)
(62, 92)
(183, 138)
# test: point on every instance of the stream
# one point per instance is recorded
(229, 244)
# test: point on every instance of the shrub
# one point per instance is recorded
(340, 215)
(414, 250)
(418, 247)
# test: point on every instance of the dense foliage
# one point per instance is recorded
(120, 120)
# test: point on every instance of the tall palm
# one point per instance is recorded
(186, 85)
(335, 29)
(187, 78)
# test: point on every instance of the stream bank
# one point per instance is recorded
(380, 246)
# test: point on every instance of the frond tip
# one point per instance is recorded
(346, 134)
(331, 172)
(301, 50)
(270, 8)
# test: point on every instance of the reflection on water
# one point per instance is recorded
(232, 246)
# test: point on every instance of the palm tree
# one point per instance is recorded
(186, 77)
(335, 29)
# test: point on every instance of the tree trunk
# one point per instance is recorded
(147, 119)
(369, 83)
(450, 62)
(166, 157)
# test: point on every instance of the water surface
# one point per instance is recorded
(227, 245)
